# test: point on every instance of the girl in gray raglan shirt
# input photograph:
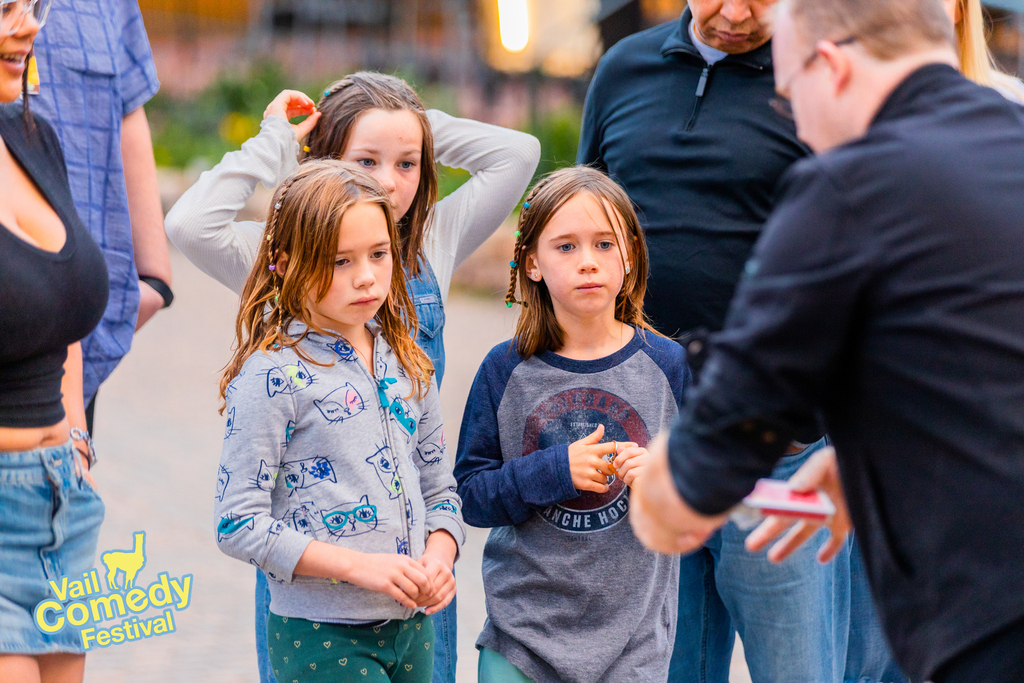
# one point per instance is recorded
(571, 594)
(333, 477)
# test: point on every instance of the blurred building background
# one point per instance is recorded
(523, 64)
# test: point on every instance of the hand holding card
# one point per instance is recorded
(819, 501)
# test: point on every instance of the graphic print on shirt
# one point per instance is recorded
(230, 429)
(288, 379)
(304, 519)
(341, 404)
(231, 524)
(397, 409)
(567, 417)
(432, 449)
(231, 388)
(289, 431)
(265, 477)
(223, 477)
(302, 474)
(343, 350)
(402, 546)
(352, 519)
(446, 506)
(270, 575)
(386, 471)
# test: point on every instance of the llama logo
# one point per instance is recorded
(125, 564)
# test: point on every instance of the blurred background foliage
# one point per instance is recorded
(197, 130)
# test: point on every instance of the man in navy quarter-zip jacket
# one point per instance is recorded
(680, 116)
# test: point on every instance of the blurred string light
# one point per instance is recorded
(513, 24)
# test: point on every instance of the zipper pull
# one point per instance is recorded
(702, 83)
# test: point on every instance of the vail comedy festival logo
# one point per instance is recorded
(80, 602)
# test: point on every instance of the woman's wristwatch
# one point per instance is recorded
(161, 288)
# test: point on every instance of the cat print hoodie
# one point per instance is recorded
(332, 453)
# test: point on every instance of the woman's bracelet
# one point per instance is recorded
(161, 288)
(78, 434)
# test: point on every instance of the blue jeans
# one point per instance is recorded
(794, 618)
(426, 297)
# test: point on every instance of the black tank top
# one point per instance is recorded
(47, 300)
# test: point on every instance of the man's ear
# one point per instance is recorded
(532, 269)
(839, 64)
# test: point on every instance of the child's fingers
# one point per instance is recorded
(626, 455)
(593, 437)
(415, 573)
(399, 594)
(445, 599)
(303, 129)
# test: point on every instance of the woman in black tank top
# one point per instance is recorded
(53, 291)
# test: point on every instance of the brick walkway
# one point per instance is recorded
(159, 438)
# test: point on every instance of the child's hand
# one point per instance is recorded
(630, 462)
(292, 103)
(399, 576)
(437, 560)
(590, 471)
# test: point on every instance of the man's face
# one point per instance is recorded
(733, 26)
(801, 77)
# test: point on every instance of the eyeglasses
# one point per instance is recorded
(781, 103)
(337, 519)
(13, 13)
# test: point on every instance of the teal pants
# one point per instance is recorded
(303, 651)
(493, 668)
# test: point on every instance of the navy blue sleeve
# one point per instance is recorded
(589, 151)
(787, 327)
(495, 492)
(671, 358)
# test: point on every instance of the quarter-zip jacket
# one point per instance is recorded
(334, 453)
(700, 151)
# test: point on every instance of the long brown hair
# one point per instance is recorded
(537, 329)
(304, 223)
(342, 104)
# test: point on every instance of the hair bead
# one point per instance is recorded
(511, 264)
(526, 205)
(305, 148)
(273, 267)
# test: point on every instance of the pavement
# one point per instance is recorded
(159, 435)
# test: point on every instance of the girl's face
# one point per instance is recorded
(388, 145)
(580, 256)
(362, 272)
(14, 50)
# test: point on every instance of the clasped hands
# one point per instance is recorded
(426, 582)
(590, 470)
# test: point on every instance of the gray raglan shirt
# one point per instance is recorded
(571, 593)
(334, 454)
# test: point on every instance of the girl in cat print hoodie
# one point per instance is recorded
(331, 441)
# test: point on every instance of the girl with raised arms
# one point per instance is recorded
(378, 122)
(329, 404)
(553, 436)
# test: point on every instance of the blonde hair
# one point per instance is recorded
(976, 61)
(885, 28)
(340, 107)
(537, 329)
(303, 223)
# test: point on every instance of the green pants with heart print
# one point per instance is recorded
(303, 651)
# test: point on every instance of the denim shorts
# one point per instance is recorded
(49, 525)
